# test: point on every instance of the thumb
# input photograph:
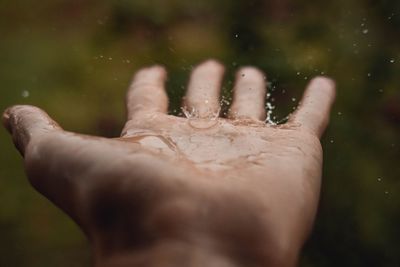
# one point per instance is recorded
(26, 123)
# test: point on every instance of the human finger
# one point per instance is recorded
(202, 96)
(26, 123)
(314, 110)
(147, 92)
(249, 94)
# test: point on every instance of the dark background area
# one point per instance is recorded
(75, 59)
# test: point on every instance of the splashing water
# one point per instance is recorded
(224, 104)
(270, 109)
(196, 122)
(189, 114)
(271, 119)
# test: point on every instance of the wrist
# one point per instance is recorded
(184, 254)
(167, 254)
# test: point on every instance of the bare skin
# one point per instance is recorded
(175, 192)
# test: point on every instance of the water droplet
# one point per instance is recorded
(298, 73)
(188, 113)
(339, 113)
(171, 49)
(365, 31)
(332, 141)
(225, 101)
(110, 58)
(386, 192)
(293, 99)
(270, 108)
(25, 93)
(379, 179)
(369, 74)
(200, 123)
(236, 35)
(392, 60)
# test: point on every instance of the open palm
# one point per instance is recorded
(235, 189)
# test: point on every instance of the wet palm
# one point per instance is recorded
(236, 191)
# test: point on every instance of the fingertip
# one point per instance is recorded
(323, 79)
(157, 72)
(15, 120)
(9, 114)
(27, 116)
(211, 64)
(160, 69)
(6, 119)
(327, 84)
(251, 73)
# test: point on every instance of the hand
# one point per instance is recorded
(176, 191)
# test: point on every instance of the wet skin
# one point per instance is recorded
(176, 191)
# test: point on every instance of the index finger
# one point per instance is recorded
(313, 113)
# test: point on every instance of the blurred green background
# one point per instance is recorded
(75, 60)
